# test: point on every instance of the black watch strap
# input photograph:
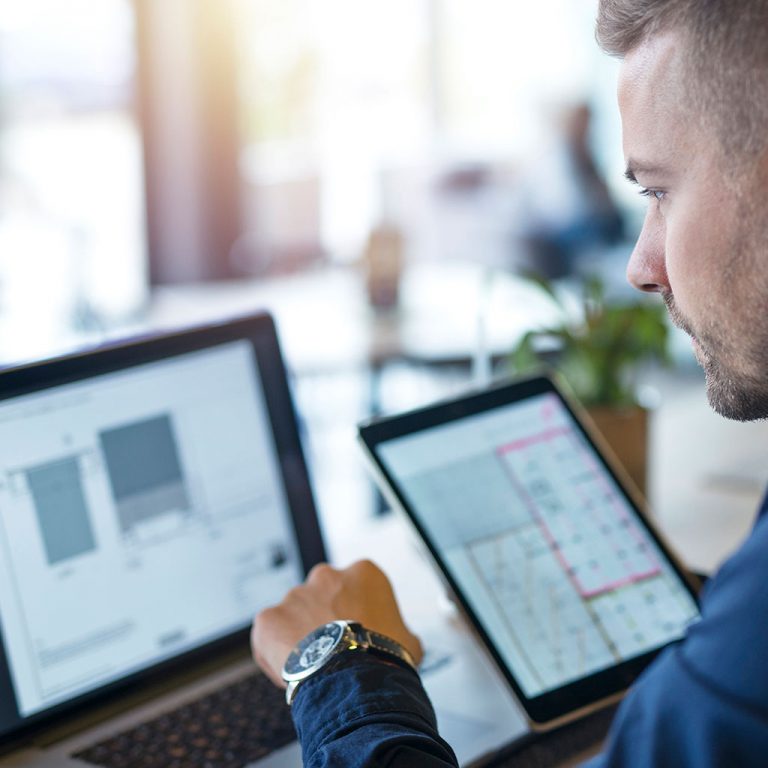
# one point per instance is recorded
(385, 646)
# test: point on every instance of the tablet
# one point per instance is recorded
(539, 537)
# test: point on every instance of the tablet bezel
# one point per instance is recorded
(573, 699)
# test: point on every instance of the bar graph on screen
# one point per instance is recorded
(61, 508)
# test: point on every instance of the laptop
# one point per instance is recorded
(153, 498)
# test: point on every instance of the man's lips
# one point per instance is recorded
(678, 321)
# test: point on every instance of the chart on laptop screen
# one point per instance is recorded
(142, 513)
(546, 548)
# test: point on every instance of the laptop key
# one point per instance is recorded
(226, 729)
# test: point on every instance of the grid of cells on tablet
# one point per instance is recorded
(543, 544)
(578, 514)
(577, 536)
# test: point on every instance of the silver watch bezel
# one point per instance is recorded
(294, 677)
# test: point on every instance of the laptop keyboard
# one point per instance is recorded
(226, 729)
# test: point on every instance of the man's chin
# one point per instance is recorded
(733, 399)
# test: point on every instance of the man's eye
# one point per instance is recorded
(657, 193)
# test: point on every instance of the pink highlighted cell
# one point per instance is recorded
(539, 517)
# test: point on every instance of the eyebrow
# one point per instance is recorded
(633, 168)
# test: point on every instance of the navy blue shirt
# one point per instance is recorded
(702, 703)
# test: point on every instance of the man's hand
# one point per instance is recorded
(359, 593)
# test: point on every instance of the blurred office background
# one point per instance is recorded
(151, 143)
(379, 175)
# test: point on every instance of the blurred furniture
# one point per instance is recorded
(447, 312)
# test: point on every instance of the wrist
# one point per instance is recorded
(356, 663)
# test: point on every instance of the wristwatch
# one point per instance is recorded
(324, 643)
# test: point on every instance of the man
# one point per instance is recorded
(693, 96)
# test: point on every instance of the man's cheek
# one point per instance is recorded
(687, 265)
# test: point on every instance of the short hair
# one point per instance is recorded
(726, 64)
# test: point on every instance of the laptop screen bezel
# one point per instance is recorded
(563, 702)
(257, 329)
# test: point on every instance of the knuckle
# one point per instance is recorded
(320, 572)
(367, 572)
(365, 566)
(324, 580)
(293, 595)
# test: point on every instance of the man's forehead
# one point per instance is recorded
(651, 72)
(651, 100)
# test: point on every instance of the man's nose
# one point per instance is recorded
(647, 268)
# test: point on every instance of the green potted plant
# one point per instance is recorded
(598, 348)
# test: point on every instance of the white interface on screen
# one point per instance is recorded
(142, 514)
(541, 541)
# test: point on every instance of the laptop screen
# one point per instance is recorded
(142, 514)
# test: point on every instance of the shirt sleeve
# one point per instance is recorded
(677, 719)
(364, 711)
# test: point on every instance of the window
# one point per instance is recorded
(353, 111)
(335, 95)
(72, 240)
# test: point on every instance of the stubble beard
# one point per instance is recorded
(740, 395)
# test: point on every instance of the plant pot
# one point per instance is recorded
(626, 432)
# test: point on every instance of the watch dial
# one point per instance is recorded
(313, 650)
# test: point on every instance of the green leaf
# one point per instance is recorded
(600, 355)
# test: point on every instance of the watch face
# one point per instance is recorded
(311, 653)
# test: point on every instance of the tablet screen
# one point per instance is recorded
(548, 552)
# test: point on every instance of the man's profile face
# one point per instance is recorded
(702, 242)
